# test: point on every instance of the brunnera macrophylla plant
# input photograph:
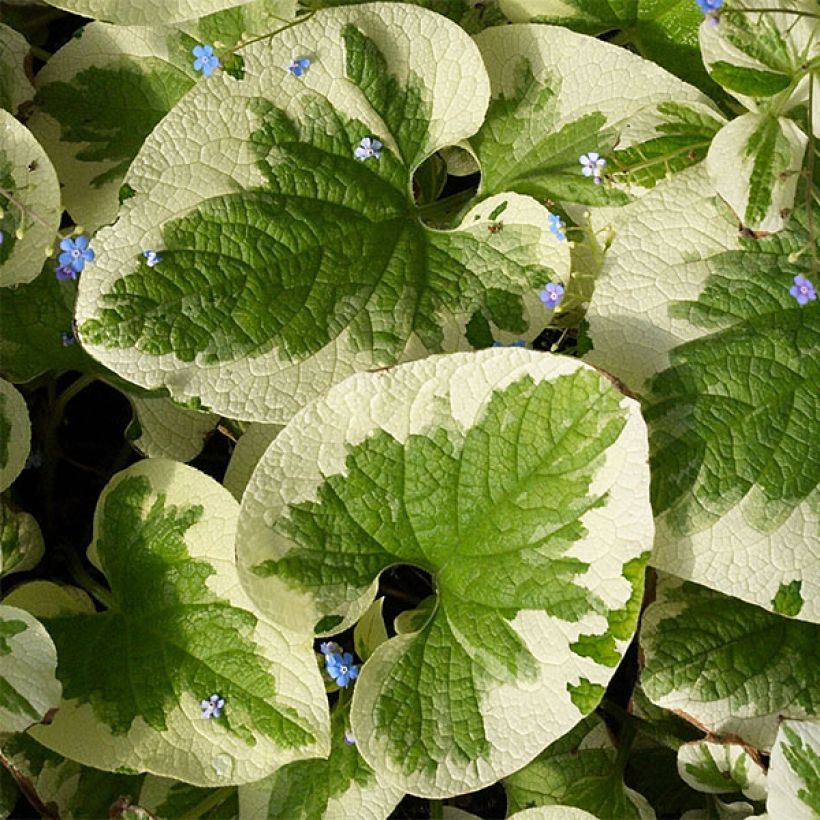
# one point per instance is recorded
(493, 348)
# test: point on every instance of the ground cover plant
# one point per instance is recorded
(409, 409)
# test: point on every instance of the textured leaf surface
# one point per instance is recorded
(29, 203)
(518, 481)
(249, 449)
(15, 87)
(794, 773)
(557, 95)
(553, 813)
(163, 429)
(170, 800)
(15, 433)
(28, 685)
(21, 542)
(262, 300)
(177, 631)
(340, 787)
(145, 12)
(699, 320)
(733, 668)
(721, 768)
(578, 770)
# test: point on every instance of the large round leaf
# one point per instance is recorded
(15, 433)
(29, 203)
(144, 12)
(293, 263)
(519, 481)
(15, 87)
(699, 320)
(179, 629)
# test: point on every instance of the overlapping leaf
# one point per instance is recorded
(145, 12)
(163, 429)
(178, 629)
(15, 433)
(296, 263)
(518, 481)
(15, 86)
(722, 768)
(21, 542)
(795, 772)
(249, 449)
(700, 321)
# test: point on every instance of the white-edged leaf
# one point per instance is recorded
(45, 599)
(718, 810)
(144, 12)
(558, 95)
(754, 163)
(29, 203)
(578, 770)
(21, 542)
(15, 433)
(722, 768)
(457, 464)
(337, 788)
(28, 659)
(729, 667)
(249, 449)
(176, 632)
(163, 429)
(261, 301)
(553, 813)
(15, 86)
(699, 321)
(794, 772)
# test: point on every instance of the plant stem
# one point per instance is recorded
(775, 10)
(436, 810)
(82, 577)
(809, 190)
(268, 36)
(6, 194)
(216, 798)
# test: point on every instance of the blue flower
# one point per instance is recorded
(206, 61)
(341, 668)
(151, 258)
(368, 147)
(803, 290)
(64, 273)
(516, 343)
(76, 253)
(349, 739)
(591, 166)
(710, 8)
(2, 237)
(330, 648)
(212, 707)
(67, 338)
(552, 295)
(299, 66)
(556, 227)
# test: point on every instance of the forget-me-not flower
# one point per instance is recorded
(330, 648)
(556, 227)
(710, 8)
(206, 61)
(591, 166)
(552, 295)
(151, 258)
(212, 707)
(349, 739)
(803, 290)
(76, 253)
(341, 668)
(64, 273)
(368, 147)
(299, 66)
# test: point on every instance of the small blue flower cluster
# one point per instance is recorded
(338, 664)
(212, 707)
(206, 61)
(75, 253)
(803, 290)
(710, 8)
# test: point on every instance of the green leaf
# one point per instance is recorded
(21, 542)
(178, 629)
(545, 113)
(163, 429)
(794, 773)
(370, 631)
(338, 787)
(721, 768)
(45, 599)
(28, 686)
(261, 300)
(488, 470)
(249, 449)
(15, 433)
(578, 770)
(171, 800)
(755, 163)
(15, 86)
(699, 320)
(9, 793)
(729, 667)
(29, 203)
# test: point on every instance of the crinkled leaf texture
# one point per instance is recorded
(557, 95)
(30, 209)
(288, 263)
(729, 667)
(21, 542)
(337, 788)
(553, 813)
(722, 768)
(144, 12)
(15, 87)
(179, 629)
(163, 429)
(15, 433)
(794, 773)
(519, 481)
(28, 659)
(579, 770)
(699, 320)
